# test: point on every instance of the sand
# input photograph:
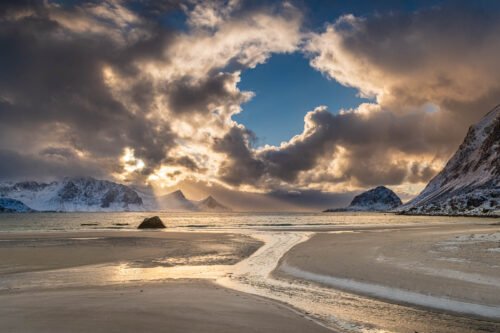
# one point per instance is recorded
(451, 268)
(174, 306)
(111, 281)
(26, 252)
(92, 281)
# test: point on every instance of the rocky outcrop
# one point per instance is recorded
(152, 223)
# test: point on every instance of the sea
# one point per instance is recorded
(29, 222)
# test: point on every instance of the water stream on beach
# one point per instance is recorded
(338, 310)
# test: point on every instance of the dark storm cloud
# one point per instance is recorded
(8, 7)
(187, 95)
(188, 163)
(85, 80)
(58, 152)
(54, 76)
(241, 166)
(17, 166)
(446, 55)
(370, 141)
(55, 91)
(312, 199)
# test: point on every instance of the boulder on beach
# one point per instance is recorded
(152, 223)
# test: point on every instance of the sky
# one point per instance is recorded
(284, 87)
(300, 103)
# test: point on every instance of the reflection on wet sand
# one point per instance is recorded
(341, 311)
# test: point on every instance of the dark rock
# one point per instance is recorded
(151, 223)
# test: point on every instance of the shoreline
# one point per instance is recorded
(399, 296)
(255, 274)
(369, 270)
(485, 216)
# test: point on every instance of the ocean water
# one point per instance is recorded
(181, 221)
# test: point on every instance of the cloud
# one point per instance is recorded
(187, 96)
(102, 80)
(431, 74)
(47, 166)
(364, 147)
(103, 88)
(442, 55)
(240, 166)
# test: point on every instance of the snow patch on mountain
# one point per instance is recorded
(86, 194)
(469, 183)
(82, 194)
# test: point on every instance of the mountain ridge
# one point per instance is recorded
(87, 194)
(469, 182)
(211, 204)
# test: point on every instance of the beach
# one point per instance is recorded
(32, 251)
(453, 268)
(130, 304)
(425, 277)
(173, 306)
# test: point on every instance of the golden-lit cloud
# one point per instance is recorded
(111, 92)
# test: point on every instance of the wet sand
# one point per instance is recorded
(72, 282)
(27, 252)
(81, 275)
(450, 268)
(173, 306)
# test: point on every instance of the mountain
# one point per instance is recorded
(210, 204)
(175, 201)
(8, 205)
(469, 183)
(74, 194)
(86, 194)
(377, 199)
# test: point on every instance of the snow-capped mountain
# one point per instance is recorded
(377, 199)
(175, 201)
(13, 206)
(469, 183)
(75, 195)
(210, 204)
(86, 194)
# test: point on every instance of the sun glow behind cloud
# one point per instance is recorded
(130, 164)
(148, 103)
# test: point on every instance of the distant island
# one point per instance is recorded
(377, 199)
